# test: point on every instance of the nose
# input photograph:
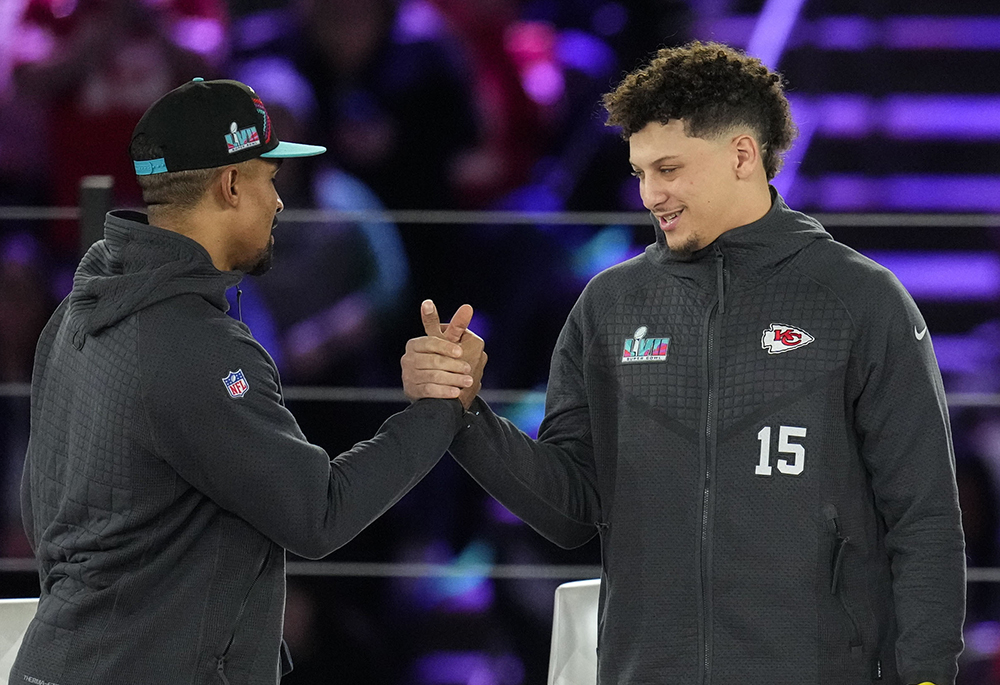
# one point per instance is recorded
(281, 205)
(653, 192)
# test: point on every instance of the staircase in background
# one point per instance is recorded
(898, 106)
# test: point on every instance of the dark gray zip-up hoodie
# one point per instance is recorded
(161, 489)
(759, 436)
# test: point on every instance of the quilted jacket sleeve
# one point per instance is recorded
(902, 423)
(241, 447)
(550, 483)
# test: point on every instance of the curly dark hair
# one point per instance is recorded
(713, 88)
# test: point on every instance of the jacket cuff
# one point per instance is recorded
(451, 408)
(470, 417)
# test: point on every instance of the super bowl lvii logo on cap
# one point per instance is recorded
(240, 139)
(184, 130)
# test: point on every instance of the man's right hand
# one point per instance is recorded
(447, 362)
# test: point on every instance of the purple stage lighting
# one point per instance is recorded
(842, 33)
(609, 19)
(945, 276)
(772, 30)
(969, 117)
(586, 53)
(942, 33)
(963, 354)
(856, 192)
(855, 33)
(469, 668)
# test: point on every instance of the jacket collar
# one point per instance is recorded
(135, 266)
(749, 253)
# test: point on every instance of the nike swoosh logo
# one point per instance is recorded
(919, 335)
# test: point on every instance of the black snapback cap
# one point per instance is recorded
(206, 124)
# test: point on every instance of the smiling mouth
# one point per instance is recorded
(669, 221)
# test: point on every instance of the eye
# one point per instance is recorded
(636, 173)
(667, 170)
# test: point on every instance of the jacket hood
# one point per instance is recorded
(135, 266)
(751, 252)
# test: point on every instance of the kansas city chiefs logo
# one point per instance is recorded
(781, 337)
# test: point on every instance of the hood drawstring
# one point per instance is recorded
(239, 303)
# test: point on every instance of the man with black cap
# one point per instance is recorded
(164, 477)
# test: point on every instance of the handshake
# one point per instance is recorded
(447, 362)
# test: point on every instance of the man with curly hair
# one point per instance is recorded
(750, 416)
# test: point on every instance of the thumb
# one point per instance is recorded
(459, 323)
(429, 317)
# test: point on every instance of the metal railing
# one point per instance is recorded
(355, 569)
(318, 393)
(95, 200)
(484, 217)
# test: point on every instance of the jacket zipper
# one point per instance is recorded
(604, 529)
(718, 308)
(221, 664)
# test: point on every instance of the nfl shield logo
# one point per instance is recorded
(236, 383)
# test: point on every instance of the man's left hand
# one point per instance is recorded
(447, 362)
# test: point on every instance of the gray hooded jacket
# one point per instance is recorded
(165, 478)
(760, 438)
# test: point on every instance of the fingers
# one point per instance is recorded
(435, 383)
(438, 377)
(467, 395)
(459, 323)
(441, 379)
(416, 361)
(433, 368)
(430, 319)
(447, 362)
(426, 391)
(472, 345)
(434, 346)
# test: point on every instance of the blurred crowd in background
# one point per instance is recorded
(452, 104)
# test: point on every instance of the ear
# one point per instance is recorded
(229, 186)
(747, 155)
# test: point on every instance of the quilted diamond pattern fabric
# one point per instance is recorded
(159, 503)
(775, 494)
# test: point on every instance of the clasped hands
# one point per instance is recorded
(447, 362)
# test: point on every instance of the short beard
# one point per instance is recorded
(260, 263)
(685, 250)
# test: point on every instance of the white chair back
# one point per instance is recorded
(573, 656)
(15, 615)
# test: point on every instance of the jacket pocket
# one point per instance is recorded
(221, 663)
(604, 530)
(838, 552)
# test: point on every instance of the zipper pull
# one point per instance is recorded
(839, 545)
(830, 514)
(720, 278)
